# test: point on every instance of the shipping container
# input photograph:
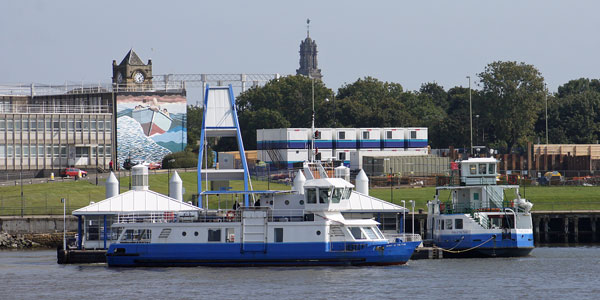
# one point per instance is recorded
(369, 138)
(393, 138)
(416, 137)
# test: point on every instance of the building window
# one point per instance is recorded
(278, 235)
(56, 151)
(17, 151)
(458, 224)
(9, 125)
(107, 151)
(94, 151)
(100, 150)
(71, 125)
(48, 124)
(341, 135)
(93, 125)
(40, 125)
(388, 135)
(2, 150)
(342, 156)
(33, 150)
(78, 125)
(365, 135)
(17, 125)
(25, 124)
(214, 235)
(100, 125)
(63, 125)
(33, 125)
(9, 151)
(107, 126)
(413, 135)
(2, 124)
(86, 125)
(41, 150)
(63, 151)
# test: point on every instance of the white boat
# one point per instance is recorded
(478, 218)
(298, 227)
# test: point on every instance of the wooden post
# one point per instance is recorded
(536, 237)
(547, 229)
(529, 156)
(576, 228)
(566, 229)
(593, 221)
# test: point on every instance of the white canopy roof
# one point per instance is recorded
(135, 202)
(328, 182)
(363, 203)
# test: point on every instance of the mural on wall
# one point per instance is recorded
(150, 126)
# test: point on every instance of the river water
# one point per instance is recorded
(547, 273)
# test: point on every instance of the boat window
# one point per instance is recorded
(492, 169)
(337, 195)
(378, 232)
(482, 168)
(357, 233)
(458, 224)
(448, 224)
(324, 195)
(278, 235)
(136, 236)
(214, 235)
(347, 193)
(370, 233)
(230, 235)
(473, 169)
(311, 196)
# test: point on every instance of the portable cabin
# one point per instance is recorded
(369, 138)
(416, 137)
(393, 138)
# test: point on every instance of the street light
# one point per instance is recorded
(403, 216)
(546, 100)
(470, 115)
(413, 215)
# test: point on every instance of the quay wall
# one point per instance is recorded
(36, 224)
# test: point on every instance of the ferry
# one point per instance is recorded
(304, 226)
(478, 218)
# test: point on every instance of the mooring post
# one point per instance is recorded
(593, 223)
(566, 229)
(546, 229)
(536, 230)
(576, 228)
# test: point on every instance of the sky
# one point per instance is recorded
(407, 42)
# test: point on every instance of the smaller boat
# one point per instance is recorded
(477, 218)
(153, 118)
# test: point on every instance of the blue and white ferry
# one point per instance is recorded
(298, 227)
(478, 218)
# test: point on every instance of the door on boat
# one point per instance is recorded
(254, 230)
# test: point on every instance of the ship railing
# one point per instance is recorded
(405, 237)
(158, 217)
(273, 215)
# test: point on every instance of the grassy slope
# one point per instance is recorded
(45, 198)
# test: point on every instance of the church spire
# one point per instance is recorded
(308, 56)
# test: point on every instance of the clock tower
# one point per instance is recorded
(132, 72)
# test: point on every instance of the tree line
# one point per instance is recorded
(508, 102)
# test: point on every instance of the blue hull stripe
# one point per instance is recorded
(466, 241)
(339, 253)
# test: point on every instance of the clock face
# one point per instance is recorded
(138, 77)
(119, 77)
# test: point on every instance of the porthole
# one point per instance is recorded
(287, 202)
(318, 232)
(184, 233)
(195, 233)
(301, 202)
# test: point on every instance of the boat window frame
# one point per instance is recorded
(311, 195)
(362, 234)
(482, 169)
(458, 223)
(448, 224)
(369, 232)
(339, 192)
(472, 169)
(278, 235)
(327, 192)
(212, 233)
(492, 168)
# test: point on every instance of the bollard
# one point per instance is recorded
(79, 174)
(52, 176)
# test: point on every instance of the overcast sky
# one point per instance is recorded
(400, 41)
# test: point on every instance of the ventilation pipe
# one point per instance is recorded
(299, 181)
(139, 178)
(342, 172)
(362, 183)
(176, 187)
(112, 185)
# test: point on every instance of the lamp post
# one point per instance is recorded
(477, 129)
(470, 115)
(546, 100)
(312, 126)
(413, 215)
(403, 216)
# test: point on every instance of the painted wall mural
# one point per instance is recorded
(150, 126)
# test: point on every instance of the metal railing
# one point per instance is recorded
(54, 109)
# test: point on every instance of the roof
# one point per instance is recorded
(328, 182)
(363, 203)
(479, 160)
(135, 201)
(132, 59)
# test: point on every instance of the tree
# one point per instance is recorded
(513, 95)
(283, 102)
(194, 121)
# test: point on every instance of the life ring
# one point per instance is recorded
(169, 216)
(230, 215)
